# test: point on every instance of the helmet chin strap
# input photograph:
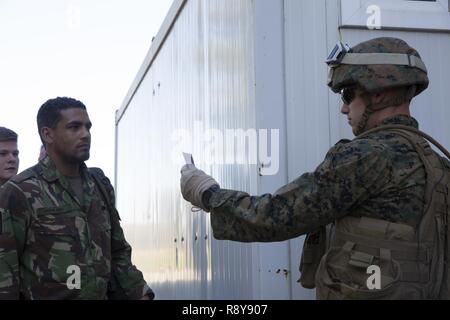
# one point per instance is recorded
(366, 115)
(371, 107)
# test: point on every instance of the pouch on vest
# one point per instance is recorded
(314, 248)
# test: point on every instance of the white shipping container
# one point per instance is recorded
(248, 67)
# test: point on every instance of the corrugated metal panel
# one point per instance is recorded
(202, 78)
(275, 274)
(308, 115)
(230, 105)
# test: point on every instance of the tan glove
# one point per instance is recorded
(194, 183)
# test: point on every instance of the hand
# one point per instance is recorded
(194, 183)
(148, 296)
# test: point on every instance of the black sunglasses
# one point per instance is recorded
(348, 94)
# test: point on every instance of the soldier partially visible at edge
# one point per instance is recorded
(9, 155)
(42, 153)
(385, 193)
(59, 217)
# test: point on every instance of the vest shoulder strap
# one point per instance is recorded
(408, 129)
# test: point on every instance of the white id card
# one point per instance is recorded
(188, 158)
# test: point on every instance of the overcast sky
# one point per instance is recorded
(88, 50)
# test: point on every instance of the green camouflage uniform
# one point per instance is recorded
(45, 229)
(380, 176)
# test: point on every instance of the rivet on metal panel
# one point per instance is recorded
(285, 272)
(206, 237)
(153, 91)
(182, 239)
(175, 240)
(159, 85)
(196, 237)
(278, 271)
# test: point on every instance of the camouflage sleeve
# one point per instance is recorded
(14, 223)
(349, 175)
(128, 281)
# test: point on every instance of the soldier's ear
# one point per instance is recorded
(47, 135)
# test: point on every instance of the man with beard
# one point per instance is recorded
(60, 233)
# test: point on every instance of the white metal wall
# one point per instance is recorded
(274, 271)
(203, 76)
(308, 115)
(240, 64)
(229, 98)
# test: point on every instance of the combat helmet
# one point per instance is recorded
(377, 65)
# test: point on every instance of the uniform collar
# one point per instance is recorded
(402, 120)
(49, 171)
(51, 174)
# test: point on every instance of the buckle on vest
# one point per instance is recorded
(357, 258)
(360, 259)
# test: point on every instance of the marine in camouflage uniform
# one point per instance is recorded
(380, 176)
(47, 229)
(377, 179)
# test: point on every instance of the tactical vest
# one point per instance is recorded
(413, 262)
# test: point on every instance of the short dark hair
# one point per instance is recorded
(7, 135)
(49, 113)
